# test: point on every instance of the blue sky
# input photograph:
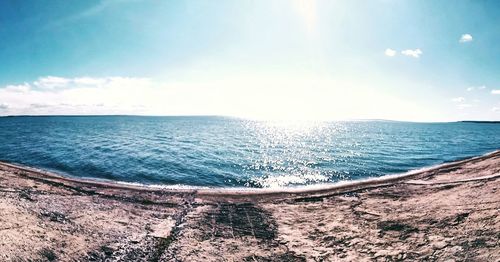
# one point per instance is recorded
(403, 60)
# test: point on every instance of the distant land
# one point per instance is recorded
(223, 116)
(482, 122)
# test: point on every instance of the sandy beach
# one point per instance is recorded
(445, 213)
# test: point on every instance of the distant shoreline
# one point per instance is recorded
(320, 189)
(237, 117)
(481, 122)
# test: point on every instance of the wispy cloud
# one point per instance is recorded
(458, 99)
(495, 109)
(416, 53)
(55, 82)
(390, 52)
(495, 92)
(465, 38)
(472, 88)
(89, 12)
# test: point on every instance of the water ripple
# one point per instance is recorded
(216, 151)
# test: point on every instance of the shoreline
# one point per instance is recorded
(319, 189)
(443, 212)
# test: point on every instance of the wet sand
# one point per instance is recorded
(445, 213)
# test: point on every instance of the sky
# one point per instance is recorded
(295, 59)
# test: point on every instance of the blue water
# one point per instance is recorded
(228, 152)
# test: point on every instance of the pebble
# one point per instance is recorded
(440, 244)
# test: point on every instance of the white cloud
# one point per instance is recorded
(413, 53)
(37, 105)
(458, 99)
(463, 106)
(235, 95)
(495, 109)
(465, 38)
(54, 82)
(90, 81)
(495, 92)
(51, 82)
(84, 95)
(23, 88)
(472, 88)
(390, 52)
(3, 107)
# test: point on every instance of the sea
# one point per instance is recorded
(212, 151)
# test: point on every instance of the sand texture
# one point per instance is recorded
(446, 213)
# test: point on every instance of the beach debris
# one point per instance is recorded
(404, 229)
(288, 256)
(461, 217)
(108, 251)
(55, 216)
(26, 194)
(48, 254)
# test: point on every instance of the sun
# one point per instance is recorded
(306, 9)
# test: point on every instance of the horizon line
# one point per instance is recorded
(252, 119)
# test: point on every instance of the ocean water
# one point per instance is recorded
(229, 152)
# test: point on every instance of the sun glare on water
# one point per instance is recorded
(285, 158)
